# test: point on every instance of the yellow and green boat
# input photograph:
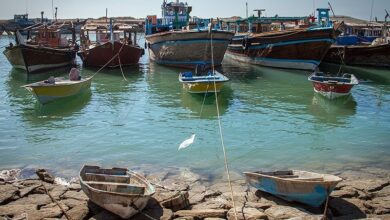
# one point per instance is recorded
(212, 82)
(48, 91)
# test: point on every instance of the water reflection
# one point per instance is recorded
(204, 106)
(332, 112)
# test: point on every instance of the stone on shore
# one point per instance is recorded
(204, 213)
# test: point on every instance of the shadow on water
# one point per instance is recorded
(332, 112)
(204, 106)
(378, 75)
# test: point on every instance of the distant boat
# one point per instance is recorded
(295, 48)
(294, 185)
(175, 41)
(203, 84)
(47, 50)
(360, 55)
(333, 86)
(117, 190)
(46, 91)
(108, 44)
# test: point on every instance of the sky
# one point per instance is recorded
(201, 8)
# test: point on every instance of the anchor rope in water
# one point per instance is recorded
(220, 127)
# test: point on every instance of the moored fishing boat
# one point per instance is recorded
(212, 82)
(115, 45)
(294, 185)
(57, 88)
(333, 86)
(118, 190)
(47, 50)
(172, 42)
(296, 48)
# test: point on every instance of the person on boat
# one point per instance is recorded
(74, 74)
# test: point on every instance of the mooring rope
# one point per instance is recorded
(220, 127)
(113, 57)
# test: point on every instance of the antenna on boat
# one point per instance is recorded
(246, 9)
(372, 6)
(259, 11)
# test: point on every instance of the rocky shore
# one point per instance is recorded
(185, 195)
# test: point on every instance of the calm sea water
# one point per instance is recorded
(270, 118)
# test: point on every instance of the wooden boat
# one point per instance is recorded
(294, 185)
(47, 50)
(180, 46)
(360, 55)
(203, 84)
(333, 86)
(46, 91)
(300, 48)
(109, 42)
(117, 190)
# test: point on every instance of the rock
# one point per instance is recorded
(157, 177)
(45, 176)
(345, 192)
(380, 205)
(76, 187)
(204, 213)
(25, 191)
(196, 194)
(285, 212)
(258, 205)
(176, 202)
(383, 192)
(31, 182)
(71, 203)
(366, 185)
(105, 215)
(51, 211)
(75, 195)
(155, 212)
(17, 210)
(7, 193)
(174, 185)
(78, 212)
(214, 203)
(33, 199)
(58, 191)
(214, 218)
(246, 214)
(348, 207)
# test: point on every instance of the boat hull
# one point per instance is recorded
(34, 59)
(118, 197)
(297, 49)
(313, 193)
(100, 55)
(46, 93)
(188, 49)
(204, 87)
(332, 91)
(378, 55)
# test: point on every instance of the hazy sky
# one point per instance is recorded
(201, 8)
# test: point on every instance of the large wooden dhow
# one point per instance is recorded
(117, 190)
(175, 41)
(360, 55)
(44, 49)
(112, 47)
(300, 48)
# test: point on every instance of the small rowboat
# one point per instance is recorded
(294, 185)
(46, 91)
(203, 84)
(117, 190)
(333, 86)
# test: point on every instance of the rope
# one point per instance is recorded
(120, 66)
(54, 200)
(220, 127)
(113, 57)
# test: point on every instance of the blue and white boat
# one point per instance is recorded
(294, 48)
(174, 40)
(293, 185)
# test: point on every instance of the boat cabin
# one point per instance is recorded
(47, 36)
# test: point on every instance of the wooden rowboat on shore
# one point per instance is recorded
(46, 91)
(293, 185)
(117, 190)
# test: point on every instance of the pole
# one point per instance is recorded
(106, 15)
(246, 10)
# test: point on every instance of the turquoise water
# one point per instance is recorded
(270, 118)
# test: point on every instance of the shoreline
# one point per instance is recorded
(188, 195)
